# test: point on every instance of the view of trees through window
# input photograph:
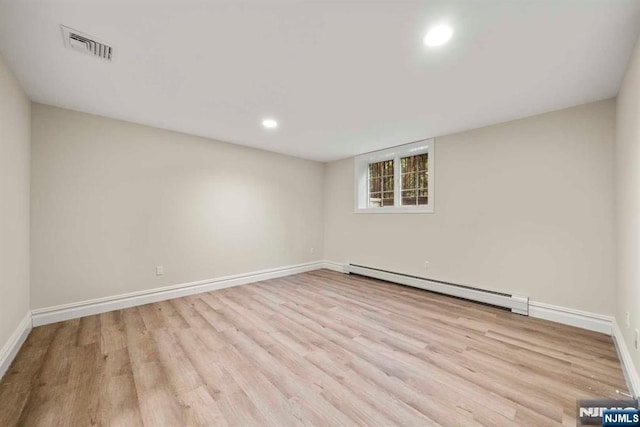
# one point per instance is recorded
(414, 178)
(395, 180)
(381, 192)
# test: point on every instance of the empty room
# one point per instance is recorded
(319, 213)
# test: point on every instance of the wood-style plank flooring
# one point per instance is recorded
(319, 348)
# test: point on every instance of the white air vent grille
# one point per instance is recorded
(85, 43)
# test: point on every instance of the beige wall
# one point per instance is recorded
(627, 184)
(15, 129)
(523, 207)
(111, 200)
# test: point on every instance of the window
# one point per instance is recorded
(396, 180)
(381, 184)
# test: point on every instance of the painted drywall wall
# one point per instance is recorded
(15, 129)
(524, 207)
(627, 185)
(112, 200)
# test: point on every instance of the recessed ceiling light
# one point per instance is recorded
(437, 36)
(269, 123)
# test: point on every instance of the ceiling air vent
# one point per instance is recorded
(85, 43)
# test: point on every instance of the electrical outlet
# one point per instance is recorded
(426, 265)
(637, 342)
(628, 320)
(159, 270)
(311, 251)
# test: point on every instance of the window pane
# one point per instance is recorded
(422, 162)
(414, 163)
(422, 179)
(408, 164)
(388, 183)
(414, 179)
(409, 198)
(388, 168)
(387, 199)
(381, 184)
(423, 196)
(373, 171)
(408, 180)
(375, 200)
(375, 185)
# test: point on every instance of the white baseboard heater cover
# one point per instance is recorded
(517, 304)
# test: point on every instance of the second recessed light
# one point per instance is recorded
(437, 36)
(269, 123)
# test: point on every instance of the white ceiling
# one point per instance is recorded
(342, 78)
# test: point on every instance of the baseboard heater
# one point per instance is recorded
(517, 304)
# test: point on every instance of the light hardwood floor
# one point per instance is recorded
(319, 348)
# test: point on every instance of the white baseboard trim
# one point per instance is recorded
(44, 316)
(630, 372)
(335, 266)
(12, 346)
(569, 316)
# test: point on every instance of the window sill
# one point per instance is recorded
(398, 210)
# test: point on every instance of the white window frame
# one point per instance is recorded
(361, 169)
